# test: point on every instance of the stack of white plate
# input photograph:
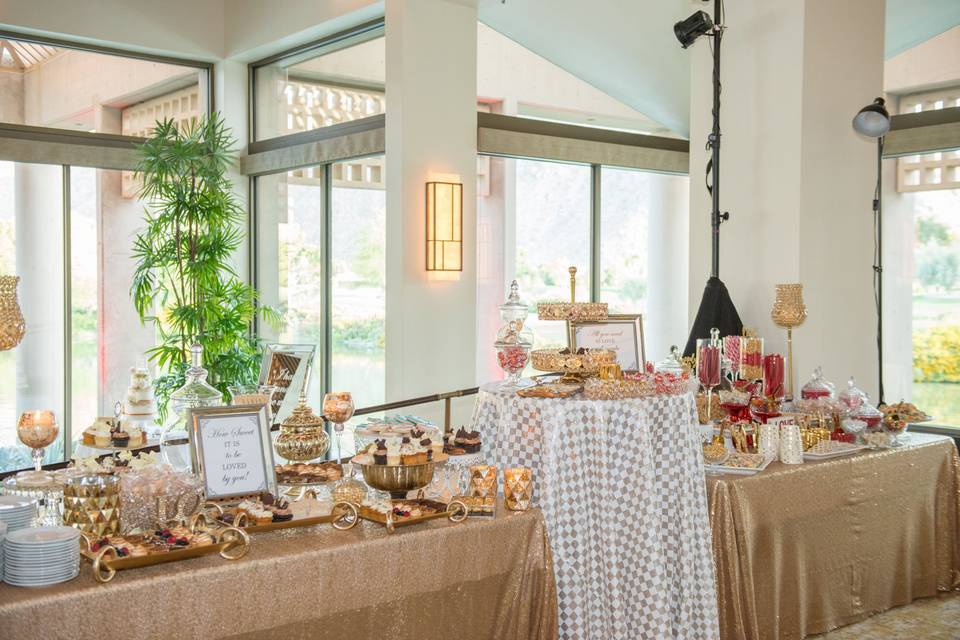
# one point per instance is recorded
(17, 512)
(3, 535)
(41, 556)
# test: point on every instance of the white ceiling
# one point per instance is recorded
(624, 48)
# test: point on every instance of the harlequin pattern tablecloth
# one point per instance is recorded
(621, 486)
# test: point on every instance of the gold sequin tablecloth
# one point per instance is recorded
(489, 579)
(804, 549)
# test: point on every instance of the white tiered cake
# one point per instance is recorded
(140, 401)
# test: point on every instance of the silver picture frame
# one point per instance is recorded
(287, 367)
(202, 420)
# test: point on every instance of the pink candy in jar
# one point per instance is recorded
(512, 359)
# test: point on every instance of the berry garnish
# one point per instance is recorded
(165, 532)
(183, 542)
(170, 540)
(95, 547)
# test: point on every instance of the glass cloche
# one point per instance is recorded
(514, 339)
(195, 392)
(816, 387)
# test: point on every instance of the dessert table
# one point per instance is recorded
(621, 486)
(484, 579)
(807, 548)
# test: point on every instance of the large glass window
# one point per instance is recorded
(323, 86)
(936, 304)
(293, 276)
(553, 204)
(358, 279)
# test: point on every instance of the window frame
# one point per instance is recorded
(67, 148)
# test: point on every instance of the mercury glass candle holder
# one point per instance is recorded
(788, 312)
(517, 488)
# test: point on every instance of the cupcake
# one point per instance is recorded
(120, 439)
(135, 433)
(408, 455)
(380, 452)
(89, 437)
(426, 443)
(101, 435)
(393, 453)
(469, 441)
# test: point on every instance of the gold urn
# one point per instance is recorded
(12, 326)
(303, 435)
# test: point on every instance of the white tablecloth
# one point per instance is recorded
(621, 485)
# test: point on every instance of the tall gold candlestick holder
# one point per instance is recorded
(788, 312)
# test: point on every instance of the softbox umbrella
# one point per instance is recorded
(716, 310)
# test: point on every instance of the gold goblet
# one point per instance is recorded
(37, 430)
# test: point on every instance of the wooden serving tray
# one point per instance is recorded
(230, 542)
(456, 511)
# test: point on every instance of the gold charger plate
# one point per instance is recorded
(456, 511)
(230, 542)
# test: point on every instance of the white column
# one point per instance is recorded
(38, 207)
(431, 319)
(795, 177)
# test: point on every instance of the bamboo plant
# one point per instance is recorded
(184, 283)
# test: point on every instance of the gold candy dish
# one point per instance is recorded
(230, 542)
(406, 512)
(574, 365)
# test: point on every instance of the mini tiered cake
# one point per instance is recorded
(140, 401)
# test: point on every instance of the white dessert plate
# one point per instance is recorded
(738, 471)
(43, 535)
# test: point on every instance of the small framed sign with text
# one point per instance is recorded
(286, 367)
(623, 333)
(232, 452)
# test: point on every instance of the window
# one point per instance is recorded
(67, 230)
(358, 279)
(552, 234)
(293, 275)
(337, 80)
(926, 272)
(47, 85)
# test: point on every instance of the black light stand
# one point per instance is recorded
(716, 307)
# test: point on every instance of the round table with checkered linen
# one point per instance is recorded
(621, 485)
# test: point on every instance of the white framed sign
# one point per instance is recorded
(623, 333)
(286, 367)
(232, 452)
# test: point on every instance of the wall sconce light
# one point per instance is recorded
(444, 226)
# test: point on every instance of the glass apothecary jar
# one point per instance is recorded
(514, 338)
(751, 356)
(816, 387)
(196, 392)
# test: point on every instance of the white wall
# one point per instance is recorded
(796, 179)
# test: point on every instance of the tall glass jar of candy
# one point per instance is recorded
(514, 339)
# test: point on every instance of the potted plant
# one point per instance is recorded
(184, 283)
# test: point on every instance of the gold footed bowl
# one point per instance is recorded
(397, 479)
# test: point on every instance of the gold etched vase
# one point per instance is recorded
(12, 325)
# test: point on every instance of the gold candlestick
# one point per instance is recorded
(788, 312)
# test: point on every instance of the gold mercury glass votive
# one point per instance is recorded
(91, 503)
(483, 484)
(517, 488)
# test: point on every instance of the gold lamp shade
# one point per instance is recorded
(788, 312)
(12, 325)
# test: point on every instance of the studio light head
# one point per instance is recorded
(692, 28)
(873, 120)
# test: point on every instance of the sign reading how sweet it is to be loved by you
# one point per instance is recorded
(233, 458)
